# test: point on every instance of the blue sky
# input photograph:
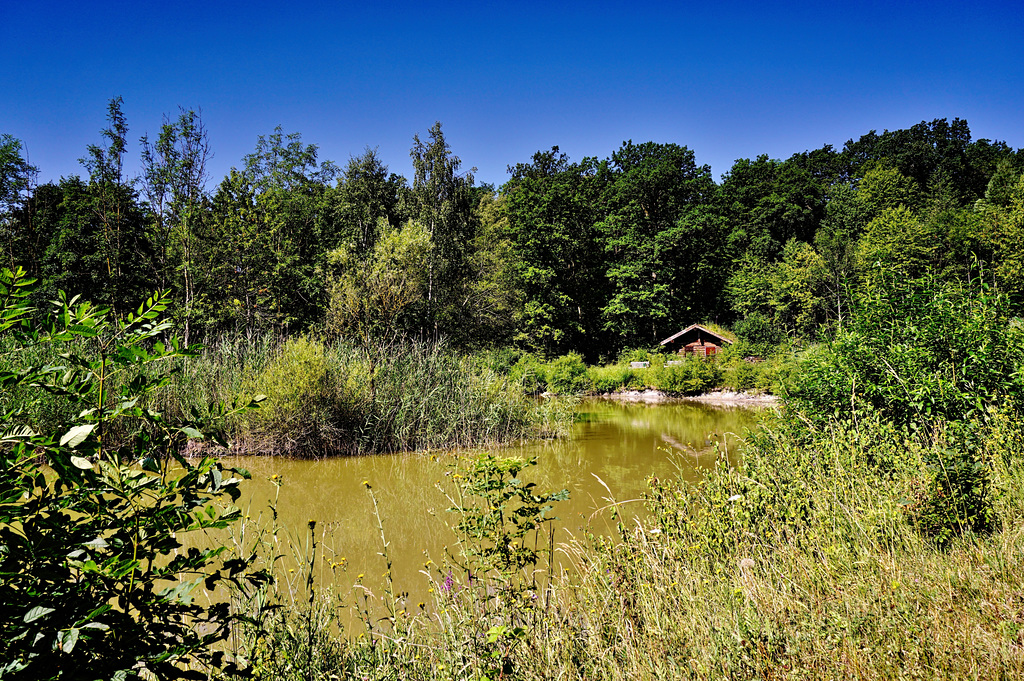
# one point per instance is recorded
(727, 79)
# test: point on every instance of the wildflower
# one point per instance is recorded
(366, 484)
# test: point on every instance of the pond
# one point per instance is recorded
(613, 449)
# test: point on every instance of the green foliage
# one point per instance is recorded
(608, 379)
(442, 200)
(370, 295)
(530, 373)
(637, 355)
(936, 360)
(769, 203)
(302, 399)
(95, 578)
(498, 514)
(553, 207)
(322, 401)
(954, 493)
(694, 376)
(173, 182)
(789, 292)
(658, 239)
(16, 175)
(758, 336)
(567, 375)
(918, 349)
(896, 243)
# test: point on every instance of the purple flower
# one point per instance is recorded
(448, 583)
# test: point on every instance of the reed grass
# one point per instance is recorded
(329, 398)
(325, 398)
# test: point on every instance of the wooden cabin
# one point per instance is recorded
(696, 340)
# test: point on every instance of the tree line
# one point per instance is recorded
(592, 256)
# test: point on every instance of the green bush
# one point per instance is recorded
(307, 405)
(918, 349)
(529, 372)
(567, 375)
(608, 379)
(95, 579)
(693, 377)
(742, 377)
(637, 355)
(759, 336)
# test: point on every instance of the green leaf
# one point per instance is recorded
(36, 613)
(80, 462)
(76, 435)
(192, 433)
(66, 640)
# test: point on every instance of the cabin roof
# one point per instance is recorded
(722, 340)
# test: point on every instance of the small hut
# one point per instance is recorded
(696, 340)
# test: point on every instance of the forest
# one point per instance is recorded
(592, 256)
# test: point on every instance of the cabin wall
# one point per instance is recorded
(700, 349)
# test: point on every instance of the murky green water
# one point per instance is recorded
(613, 450)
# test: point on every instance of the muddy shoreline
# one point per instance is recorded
(724, 397)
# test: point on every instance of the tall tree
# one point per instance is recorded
(366, 194)
(769, 202)
(552, 207)
(283, 187)
(122, 239)
(442, 200)
(653, 204)
(174, 180)
(16, 179)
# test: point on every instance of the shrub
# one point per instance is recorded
(608, 379)
(742, 377)
(94, 579)
(759, 336)
(918, 350)
(529, 373)
(693, 377)
(305, 407)
(636, 355)
(567, 375)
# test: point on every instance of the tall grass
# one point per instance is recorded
(327, 398)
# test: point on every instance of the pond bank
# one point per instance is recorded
(724, 397)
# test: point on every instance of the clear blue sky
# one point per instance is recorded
(727, 79)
